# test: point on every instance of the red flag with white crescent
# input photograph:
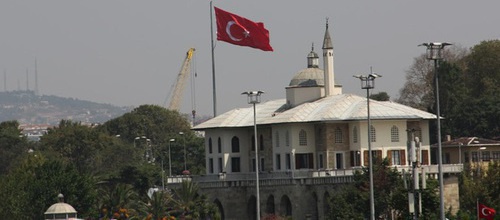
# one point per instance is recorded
(485, 212)
(238, 30)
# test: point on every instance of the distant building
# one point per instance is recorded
(471, 150)
(34, 132)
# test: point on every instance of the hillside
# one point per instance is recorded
(28, 108)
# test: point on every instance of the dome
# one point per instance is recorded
(308, 77)
(60, 208)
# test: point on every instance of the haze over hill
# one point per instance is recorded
(28, 108)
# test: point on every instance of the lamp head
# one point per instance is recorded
(253, 96)
(252, 93)
(374, 75)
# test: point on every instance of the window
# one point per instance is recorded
(338, 135)
(253, 165)
(302, 138)
(287, 139)
(235, 145)
(373, 135)
(210, 165)
(261, 142)
(485, 155)
(262, 164)
(474, 156)
(220, 165)
(210, 145)
(395, 157)
(495, 155)
(320, 161)
(304, 161)
(355, 158)
(424, 156)
(277, 138)
(219, 145)
(376, 157)
(394, 134)
(235, 165)
(339, 161)
(278, 162)
(355, 134)
(288, 162)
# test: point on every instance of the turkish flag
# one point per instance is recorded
(238, 30)
(485, 212)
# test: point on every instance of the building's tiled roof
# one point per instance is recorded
(468, 141)
(343, 107)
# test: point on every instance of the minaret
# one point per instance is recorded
(328, 63)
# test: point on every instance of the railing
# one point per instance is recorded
(293, 177)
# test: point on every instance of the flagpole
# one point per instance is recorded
(213, 59)
(477, 208)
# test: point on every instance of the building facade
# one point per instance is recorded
(314, 133)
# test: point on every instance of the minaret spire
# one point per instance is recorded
(328, 63)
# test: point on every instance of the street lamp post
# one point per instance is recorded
(170, 158)
(434, 52)
(184, 145)
(253, 97)
(368, 82)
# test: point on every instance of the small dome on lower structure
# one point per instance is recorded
(60, 210)
(308, 77)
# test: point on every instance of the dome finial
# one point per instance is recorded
(60, 197)
(312, 47)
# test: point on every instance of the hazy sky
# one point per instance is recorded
(129, 52)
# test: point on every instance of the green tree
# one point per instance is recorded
(191, 205)
(159, 125)
(381, 96)
(31, 188)
(74, 143)
(12, 145)
(118, 201)
(353, 201)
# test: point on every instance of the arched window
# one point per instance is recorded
(338, 135)
(355, 134)
(394, 134)
(277, 138)
(302, 138)
(373, 135)
(287, 139)
(219, 145)
(210, 145)
(235, 145)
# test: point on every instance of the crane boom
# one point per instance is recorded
(176, 98)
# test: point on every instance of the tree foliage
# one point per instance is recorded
(381, 96)
(12, 146)
(468, 90)
(34, 186)
(160, 125)
(101, 170)
(391, 197)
